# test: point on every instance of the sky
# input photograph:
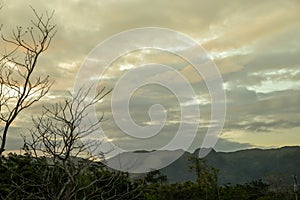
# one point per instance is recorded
(254, 44)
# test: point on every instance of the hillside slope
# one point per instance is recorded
(242, 166)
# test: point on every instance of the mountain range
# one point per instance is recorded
(234, 167)
(242, 166)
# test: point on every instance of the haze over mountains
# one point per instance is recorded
(234, 167)
(243, 166)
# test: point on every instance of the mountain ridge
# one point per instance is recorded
(236, 167)
(243, 165)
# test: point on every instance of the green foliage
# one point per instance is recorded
(155, 177)
(206, 187)
(25, 177)
(274, 166)
(207, 177)
(249, 191)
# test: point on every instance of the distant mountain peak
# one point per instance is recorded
(204, 151)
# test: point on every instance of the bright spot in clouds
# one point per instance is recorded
(254, 43)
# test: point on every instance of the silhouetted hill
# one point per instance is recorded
(242, 166)
(235, 167)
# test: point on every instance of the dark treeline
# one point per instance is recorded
(57, 165)
(28, 177)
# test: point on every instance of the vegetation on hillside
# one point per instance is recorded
(57, 165)
(28, 177)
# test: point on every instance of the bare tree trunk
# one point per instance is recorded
(19, 89)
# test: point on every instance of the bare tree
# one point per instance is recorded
(58, 132)
(19, 87)
(57, 137)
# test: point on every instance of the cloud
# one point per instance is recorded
(227, 145)
(254, 44)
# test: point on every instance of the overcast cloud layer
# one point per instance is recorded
(255, 44)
